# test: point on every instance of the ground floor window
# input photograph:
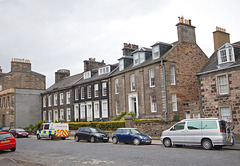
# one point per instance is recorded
(104, 109)
(61, 114)
(68, 115)
(153, 103)
(44, 115)
(117, 108)
(225, 112)
(196, 116)
(50, 116)
(82, 111)
(76, 113)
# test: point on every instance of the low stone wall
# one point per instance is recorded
(153, 128)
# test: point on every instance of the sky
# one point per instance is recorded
(61, 34)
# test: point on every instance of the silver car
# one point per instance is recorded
(208, 132)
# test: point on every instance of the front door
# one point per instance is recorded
(55, 115)
(133, 104)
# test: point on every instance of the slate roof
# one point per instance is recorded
(64, 83)
(149, 61)
(212, 64)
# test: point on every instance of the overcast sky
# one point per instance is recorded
(61, 34)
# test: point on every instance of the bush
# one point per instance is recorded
(120, 116)
(176, 117)
(109, 125)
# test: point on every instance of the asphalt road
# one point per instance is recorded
(31, 151)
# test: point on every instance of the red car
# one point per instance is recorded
(18, 133)
(7, 141)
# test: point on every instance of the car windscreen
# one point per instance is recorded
(20, 130)
(95, 130)
(135, 131)
(4, 136)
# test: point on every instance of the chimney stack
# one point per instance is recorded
(128, 48)
(92, 64)
(20, 65)
(186, 32)
(220, 37)
(61, 73)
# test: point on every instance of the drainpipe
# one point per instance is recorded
(165, 89)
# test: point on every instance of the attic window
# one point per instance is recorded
(138, 58)
(226, 55)
(121, 65)
(155, 52)
(104, 70)
(87, 75)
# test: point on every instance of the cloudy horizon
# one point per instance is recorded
(61, 34)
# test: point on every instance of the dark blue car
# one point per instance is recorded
(130, 135)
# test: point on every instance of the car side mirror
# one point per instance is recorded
(128, 133)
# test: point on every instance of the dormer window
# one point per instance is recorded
(87, 75)
(104, 70)
(226, 54)
(138, 58)
(155, 52)
(121, 64)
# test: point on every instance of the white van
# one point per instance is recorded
(53, 130)
(208, 132)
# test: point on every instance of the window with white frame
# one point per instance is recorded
(0, 87)
(44, 101)
(225, 112)
(96, 110)
(138, 58)
(104, 70)
(117, 108)
(76, 112)
(76, 93)
(222, 84)
(172, 75)
(68, 98)
(132, 79)
(153, 103)
(96, 90)
(68, 114)
(61, 98)
(87, 75)
(116, 86)
(226, 55)
(82, 111)
(155, 52)
(104, 109)
(44, 115)
(121, 65)
(104, 89)
(50, 116)
(82, 93)
(196, 115)
(188, 115)
(152, 77)
(55, 100)
(174, 102)
(50, 100)
(89, 91)
(62, 114)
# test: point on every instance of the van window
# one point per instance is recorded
(46, 126)
(209, 124)
(179, 126)
(194, 125)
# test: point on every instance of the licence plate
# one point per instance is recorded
(104, 137)
(147, 141)
(5, 141)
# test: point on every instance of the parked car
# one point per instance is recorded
(91, 134)
(7, 141)
(4, 129)
(18, 133)
(208, 132)
(130, 135)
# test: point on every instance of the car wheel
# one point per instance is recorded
(207, 144)
(51, 137)
(38, 136)
(136, 141)
(13, 149)
(76, 138)
(92, 139)
(167, 142)
(114, 140)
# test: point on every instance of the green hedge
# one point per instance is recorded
(109, 125)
